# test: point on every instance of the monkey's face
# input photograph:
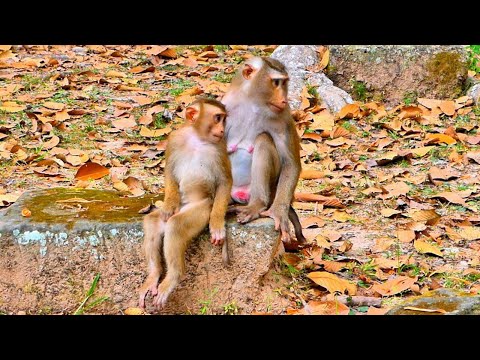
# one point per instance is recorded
(216, 127)
(266, 83)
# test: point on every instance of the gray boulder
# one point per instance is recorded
(297, 58)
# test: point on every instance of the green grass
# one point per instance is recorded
(83, 305)
(179, 86)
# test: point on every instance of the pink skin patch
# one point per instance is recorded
(250, 149)
(232, 148)
(241, 195)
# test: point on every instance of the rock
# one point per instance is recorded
(48, 260)
(392, 73)
(451, 301)
(79, 50)
(297, 58)
(474, 92)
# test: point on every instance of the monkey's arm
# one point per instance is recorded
(171, 202)
(287, 182)
(219, 209)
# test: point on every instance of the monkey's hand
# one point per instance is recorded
(168, 210)
(280, 215)
(218, 233)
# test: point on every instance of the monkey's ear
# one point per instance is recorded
(191, 114)
(248, 71)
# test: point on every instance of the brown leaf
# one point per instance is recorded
(439, 138)
(349, 111)
(115, 74)
(425, 310)
(323, 308)
(54, 105)
(405, 236)
(311, 174)
(421, 151)
(332, 266)
(11, 106)
(134, 311)
(341, 216)
(376, 311)
(423, 215)
(312, 221)
(384, 263)
(469, 232)
(50, 144)
(332, 282)
(451, 197)
(329, 201)
(322, 121)
(410, 112)
(144, 131)
(443, 174)
(120, 186)
(448, 107)
(429, 103)
(62, 115)
(142, 69)
(426, 248)
(389, 212)
(26, 212)
(91, 170)
(394, 286)
(396, 189)
(474, 155)
(125, 123)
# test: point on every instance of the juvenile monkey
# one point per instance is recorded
(198, 183)
(263, 145)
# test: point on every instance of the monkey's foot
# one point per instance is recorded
(249, 213)
(149, 286)
(164, 291)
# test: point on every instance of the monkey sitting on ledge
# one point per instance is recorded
(263, 145)
(198, 183)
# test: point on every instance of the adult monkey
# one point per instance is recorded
(263, 145)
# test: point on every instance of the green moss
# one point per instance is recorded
(98, 205)
(445, 68)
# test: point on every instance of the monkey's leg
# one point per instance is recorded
(264, 175)
(154, 229)
(180, 230)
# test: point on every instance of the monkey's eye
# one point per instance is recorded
(218, 118)
(276, 82)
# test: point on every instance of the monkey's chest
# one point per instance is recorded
(196, 175)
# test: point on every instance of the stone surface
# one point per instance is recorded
(297, 58)
(48, 260)
(392, 72)
(474, 92)
(453, 302)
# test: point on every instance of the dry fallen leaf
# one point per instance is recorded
(413, 308)
(91, 171)
(332, 282)
(469, 233)
(405, 236)
(26, 212)
(322, 308)
(426, 248)
(394, 286)
(134, 311)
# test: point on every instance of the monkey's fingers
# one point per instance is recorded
(268, 213)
